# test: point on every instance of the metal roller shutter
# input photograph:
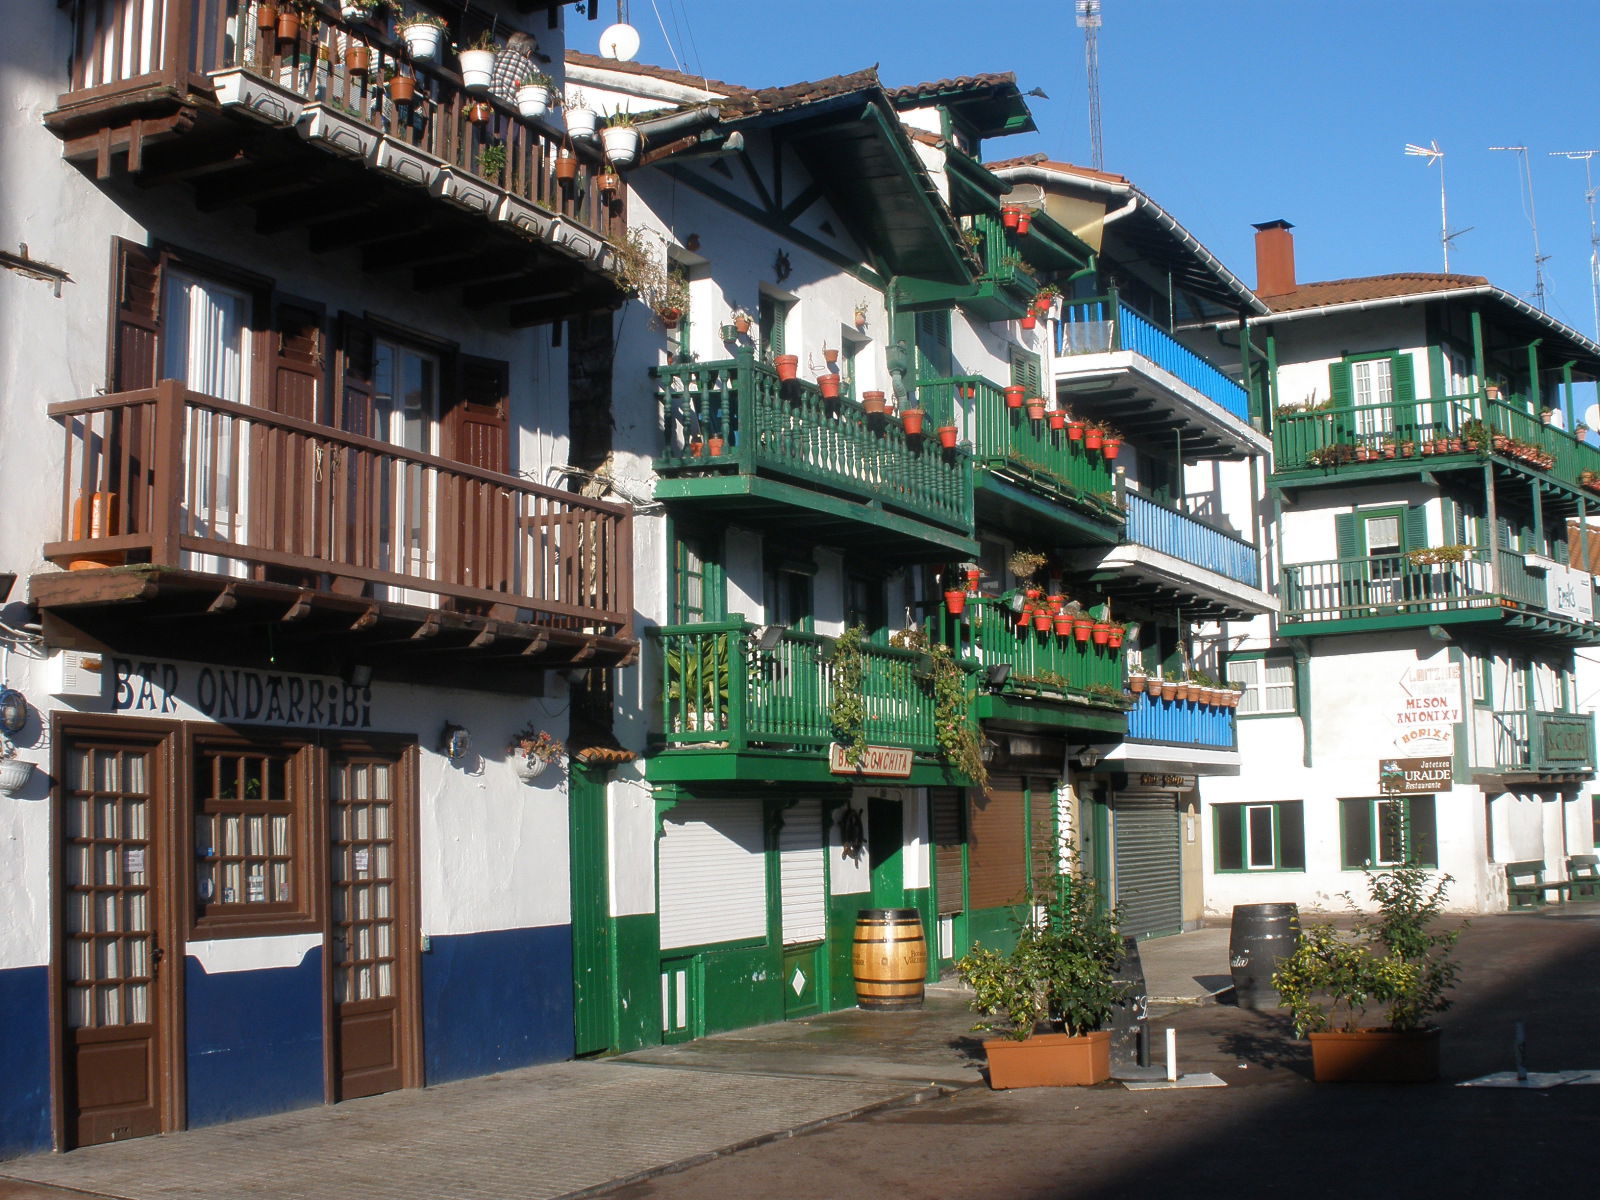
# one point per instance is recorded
(1149, 865)
(802, 870)
(713, 881)
(944, 807)
(998, 840)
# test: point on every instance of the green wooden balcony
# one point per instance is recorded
(1016, 452)
(1389, 591)
(1045, 672)
(1537, 743)
(720, 689)
(769, 454)
(1455, 432)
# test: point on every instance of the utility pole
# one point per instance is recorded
(1533, 220)
(1089, 21)
(1594, 237)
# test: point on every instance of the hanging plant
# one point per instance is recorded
(953, 726)
(847, 708)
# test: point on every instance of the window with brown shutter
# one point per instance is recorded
(135, 317)
(945, 807)
(997, 839)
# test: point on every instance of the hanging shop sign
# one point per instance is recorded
(881, 762)
(1404, 776)
(238, 694)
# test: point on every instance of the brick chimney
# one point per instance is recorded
(1274, 259)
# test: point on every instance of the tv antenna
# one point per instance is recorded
(1533, 220)
(1435, 155)
(1594, 237)
(1089, 21)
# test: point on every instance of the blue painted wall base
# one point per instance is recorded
(496, 1000)
(25, 1063)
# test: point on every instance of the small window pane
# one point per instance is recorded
(1230, 837)
(1259, 818)
(1292, 835)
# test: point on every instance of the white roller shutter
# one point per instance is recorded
(713, 876)
(801, 872)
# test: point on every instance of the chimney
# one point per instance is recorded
(1274, 259)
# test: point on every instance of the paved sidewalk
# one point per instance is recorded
(570, 1129)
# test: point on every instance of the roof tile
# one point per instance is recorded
(1369, 287)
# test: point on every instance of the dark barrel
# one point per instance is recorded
(890, 959)
(1262, 934)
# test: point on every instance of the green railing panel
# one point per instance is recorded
(1544, 742)
(1044, 665)
(827, 444)
(718, 685)
(1357, 588)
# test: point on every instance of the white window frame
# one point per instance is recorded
(1268, 685)
(1372, 394)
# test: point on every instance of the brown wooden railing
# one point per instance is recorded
(127, 46)
(174, 478)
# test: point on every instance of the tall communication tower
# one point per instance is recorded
(1594, 237)
(1089, 22)
(1533, 220)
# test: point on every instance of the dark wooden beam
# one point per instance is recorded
(491, 268)
(534, 282)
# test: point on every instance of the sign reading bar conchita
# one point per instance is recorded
(885, 762)
(1403, 776)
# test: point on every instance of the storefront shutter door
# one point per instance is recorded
(944, 805)
(713, 873)
(801, 872)
(1149, 867)
(998, 841)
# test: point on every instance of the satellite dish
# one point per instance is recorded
(1591, 416)
(620, 42)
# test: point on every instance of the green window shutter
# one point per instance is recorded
(1422, 831)
(1339, 384)
(1292, 835)
(1416, 527)
(1230, 837)
(1403, 379)
(1344, 528)
(933, 344)
(1355, 823)
(772, 316)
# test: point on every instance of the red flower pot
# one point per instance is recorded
(695, 447)
(1024, 220)
(786, 365)
(1063, 625)
(911, 418)
(714, 445)
(1112, 447)
(974, 577)
(829, 384)
(872, 402)
(1101, 632)
(1030, 320)
(947, 436)
(1041, 621)
(1092, 439)
(1082, 628)
(1014, 395)
(1036, 409)
(1009, 216)
(1115, 638)
(402, 89)
(1032, 593)
(1075, 431)
(1058, 419)
(956, 601)
(1023, 618)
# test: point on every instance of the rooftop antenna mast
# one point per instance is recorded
(1533, 220)
(1435, 155)
(1089, 21)
(1594, 237)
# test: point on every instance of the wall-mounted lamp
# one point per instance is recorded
(358, 675)
(989, 751)
(1087, 757)
(768, 636)
(454, 742)
(997, 675)
(13, 710)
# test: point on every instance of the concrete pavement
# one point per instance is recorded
(573, 1129)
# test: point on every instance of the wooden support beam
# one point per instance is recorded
(301, 608)
(414, 249)
(532, 283)
(227, 600)
(489, 268)
(487, 637)
(366, 620)
(429, 628)
(537, 644)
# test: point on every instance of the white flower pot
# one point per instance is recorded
(621, 144)
(527, 767)
(14, 775)
(425, 42)
(477, 69)
(581, 123)
(533, 100)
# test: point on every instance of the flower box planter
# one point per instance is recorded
(527, 219)
(337, 132)
(457, 186)
(1375, 1056)
(396, 159)
(250, 96)
(424, 41)
(1049, 1060)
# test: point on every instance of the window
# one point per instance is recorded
(1261, 837)
(250, 837)
(772, 321)
(405, 397)
(864, 606)
(1372, 393)
(1268, 685)
(696, 580)
(1379, 832)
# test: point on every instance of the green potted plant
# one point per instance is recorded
(620, 138)
(492, 161)
(1049, 995)
(535, 94)
(697, 682)
(1364, 999)
(424, 36)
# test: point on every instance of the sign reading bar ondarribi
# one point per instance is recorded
(1403, 776)
(883, 762)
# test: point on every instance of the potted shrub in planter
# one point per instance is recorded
(1397, 964)
(1060, 977)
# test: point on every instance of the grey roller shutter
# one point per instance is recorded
(1149, 866)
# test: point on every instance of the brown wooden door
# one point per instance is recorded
(113, 921)
(372, 964)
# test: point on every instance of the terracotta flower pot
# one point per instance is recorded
(1169, 690)
(974, 577)
(1014, 393)
(1136, 684)
(1375, 1056)
(1063, 625)
(948, 435)
(696, 446)
(1114, 639)
(1009, 215)
(956, 601)
(786, 365)
(1024, 220)
(402, 89)
(1035, 410)
(670, 317)
(829, 384)
(911, 418)
(566, 166)
(872, 402)
(610, 182)
(357, 59)
(479, 113)
(1112, 447)
(830, 354)
(288, 26)
(1102, 633)
(1042, 621)
(266, 15)
(1030, 320)
(1058, 419)
(1092, 439)
(1083, 628)
(742, 324)
(1075, 431)
(714, 445)
(1049, 1060)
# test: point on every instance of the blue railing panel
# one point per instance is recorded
(1168, 531)
(1182, 723)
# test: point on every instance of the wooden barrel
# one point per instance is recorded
(891, 958)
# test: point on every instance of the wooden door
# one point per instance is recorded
(114, 923)
(371, 941)
(885, 839)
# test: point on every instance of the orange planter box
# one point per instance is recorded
(1375, 1056)
(1049, 1060)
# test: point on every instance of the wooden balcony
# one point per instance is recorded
(246, 536)
(776, 455)
(1511, 591)
(197, 91)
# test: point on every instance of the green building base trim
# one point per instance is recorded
(638, 981)
(995, 928)
(713, 767)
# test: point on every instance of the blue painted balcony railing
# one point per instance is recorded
(1082, 330)
(1157, 527)
(1182, 723)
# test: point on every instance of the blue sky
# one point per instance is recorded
(1228, 112)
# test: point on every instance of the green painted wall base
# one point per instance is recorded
(638, 980)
